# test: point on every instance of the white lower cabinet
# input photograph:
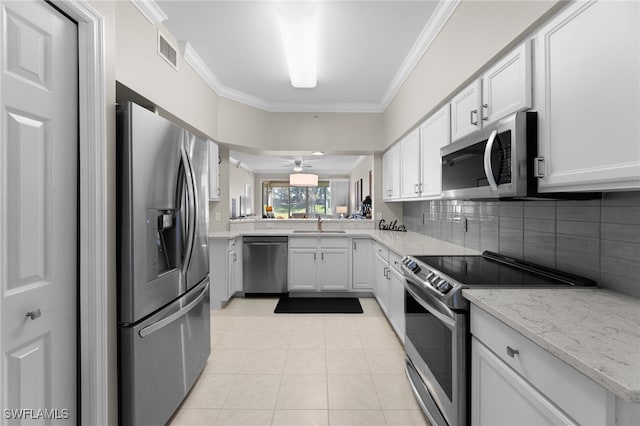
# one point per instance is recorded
(501, 396)
(362, 264)
(389, 287)
(396, 300)
(235, 266)
(319, 264)
(515, 381)
(225, 270)
(381, 282)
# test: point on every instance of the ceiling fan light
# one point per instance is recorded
(297, 169)
(303, 179)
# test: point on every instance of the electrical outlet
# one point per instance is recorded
(217, 216)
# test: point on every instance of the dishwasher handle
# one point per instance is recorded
(265, 240)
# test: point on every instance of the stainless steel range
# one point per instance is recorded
(437, 322)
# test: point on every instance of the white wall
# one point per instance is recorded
(476, 33)
(360, 171)
(180, 92)
(238, 178)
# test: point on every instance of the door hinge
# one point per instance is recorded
(538, 167)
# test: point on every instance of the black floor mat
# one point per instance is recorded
(318, 305)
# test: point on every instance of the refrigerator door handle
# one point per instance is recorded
(150, 329)
(192, 209)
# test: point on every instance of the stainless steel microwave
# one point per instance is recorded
(494, 163)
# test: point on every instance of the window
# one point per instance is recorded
(296, 201)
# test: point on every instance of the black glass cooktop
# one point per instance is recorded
(495, 270)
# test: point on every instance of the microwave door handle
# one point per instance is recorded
(487, 161)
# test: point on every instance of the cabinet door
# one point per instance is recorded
(434, 134)
(381, 289)
(391, 173)
(499, 396)
(410, 165)
(465, 111)
(214, 184)
(587, 80)
(232, 272)
(237, 265)
(302, 269)
(362, 264)
(506, 86)
(396, 302)
(333, 269)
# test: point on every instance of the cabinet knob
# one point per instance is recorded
(34, 314)
(512, 352)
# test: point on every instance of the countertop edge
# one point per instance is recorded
(591, 372)
(402, 243)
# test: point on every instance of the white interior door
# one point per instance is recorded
(38, 213)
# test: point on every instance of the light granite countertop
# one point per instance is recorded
(402, 243)
(595, 331)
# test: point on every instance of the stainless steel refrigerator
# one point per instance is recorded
(163, 264)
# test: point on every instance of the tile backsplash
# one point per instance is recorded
(599, 239)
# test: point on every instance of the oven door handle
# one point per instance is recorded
(441, 312)
(488, 170)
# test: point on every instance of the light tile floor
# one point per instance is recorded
(298, 370)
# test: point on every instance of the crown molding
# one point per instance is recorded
(150, 10)
(430, 31)
(191, 57)
(440, 16)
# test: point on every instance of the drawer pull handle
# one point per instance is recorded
(512, 352)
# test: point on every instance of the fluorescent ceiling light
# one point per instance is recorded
(303, 179)
(298, 25)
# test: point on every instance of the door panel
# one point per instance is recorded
(198, 155)
(38, 210)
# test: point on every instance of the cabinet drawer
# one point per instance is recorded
(331, 242)
(574, 393)
(302, 242)
(395, 260)
(381, 251)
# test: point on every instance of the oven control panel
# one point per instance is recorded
(428, 277)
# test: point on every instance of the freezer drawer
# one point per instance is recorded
(161, 357)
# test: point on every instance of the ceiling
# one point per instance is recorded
(326, 165)
(362, 48)
(365, 51)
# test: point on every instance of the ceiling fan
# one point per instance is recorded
(298, 165)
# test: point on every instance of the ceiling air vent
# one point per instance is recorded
(167, 51)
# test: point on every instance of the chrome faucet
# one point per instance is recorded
(319, 223)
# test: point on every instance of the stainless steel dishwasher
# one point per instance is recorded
(265, 265)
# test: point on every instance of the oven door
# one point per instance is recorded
(436, 347)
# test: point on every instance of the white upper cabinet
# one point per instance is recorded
(465, 111)
(214, 182)
(587, 91)
(503, 89)
(391, 173)
(434, 134)
(506, 86)
(410, 165)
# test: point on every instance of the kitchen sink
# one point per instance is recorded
(315, 231)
